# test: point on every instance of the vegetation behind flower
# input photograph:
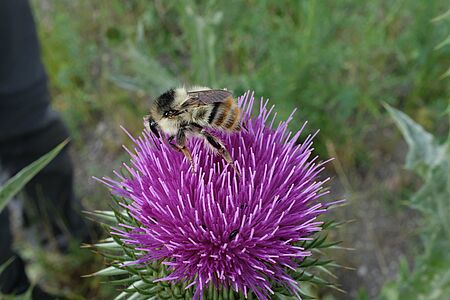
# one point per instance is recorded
(339, 59)
(183, 234)
(429, 275)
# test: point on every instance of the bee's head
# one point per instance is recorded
(165, 106)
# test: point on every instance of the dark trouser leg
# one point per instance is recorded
(13, 279)
(29, 129)
(49, 197)
(23, 93)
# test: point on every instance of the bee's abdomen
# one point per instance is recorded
(225, 115)
(214, 112)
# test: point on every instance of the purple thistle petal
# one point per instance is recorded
(214, 226)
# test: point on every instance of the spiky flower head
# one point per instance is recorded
(214, 227)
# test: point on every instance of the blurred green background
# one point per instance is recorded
(336, 61)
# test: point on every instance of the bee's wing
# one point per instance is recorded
(205, 97)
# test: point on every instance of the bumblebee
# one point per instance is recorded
(181, 113)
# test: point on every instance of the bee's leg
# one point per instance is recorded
(217, 145)
(180, 145)
(171, 143)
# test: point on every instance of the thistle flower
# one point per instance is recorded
(214, 228)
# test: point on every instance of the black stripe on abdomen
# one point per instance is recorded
(232, 118)
(213, 112)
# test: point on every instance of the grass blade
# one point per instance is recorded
(16, 183)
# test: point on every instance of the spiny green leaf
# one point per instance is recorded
(138, 286)
(330, 245)
(308, 262)
(108, 246)
(424, 152)
(433, 197)
(326, 271)
(104, 216)
(127, 280)
(316, 243)
(109, 271)
(117, 258)
(122, 295)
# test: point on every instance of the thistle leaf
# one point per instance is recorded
(109, 271)
(424, 151)
(430, 278)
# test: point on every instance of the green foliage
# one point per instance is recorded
(329, 58)
(16, 183)
(445, 19)
(430, 276)
(337, 58)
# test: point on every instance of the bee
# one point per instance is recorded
(181, 113)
